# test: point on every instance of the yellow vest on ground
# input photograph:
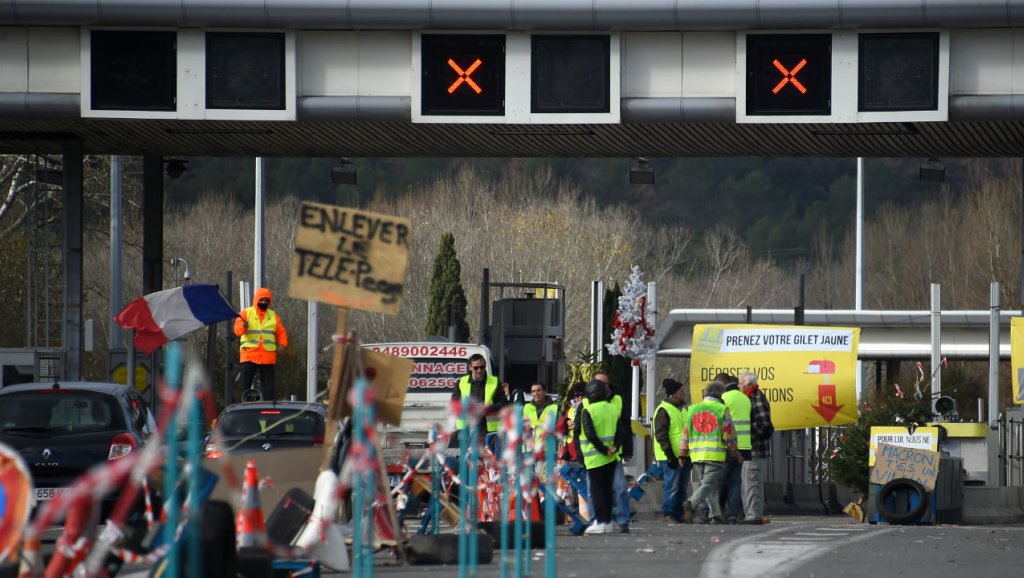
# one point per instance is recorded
(675, 429)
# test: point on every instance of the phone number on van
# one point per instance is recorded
(423, 351)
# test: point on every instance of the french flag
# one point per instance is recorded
(165, 315)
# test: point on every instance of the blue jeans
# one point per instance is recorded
(731, 494)
(676, 482)
(621, 496)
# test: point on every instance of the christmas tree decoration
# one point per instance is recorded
(632, 336)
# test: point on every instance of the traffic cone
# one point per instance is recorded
(250, 529)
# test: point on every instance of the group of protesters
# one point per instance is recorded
(724, 439)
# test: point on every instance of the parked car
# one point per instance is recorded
(62, 429)
(267, 425)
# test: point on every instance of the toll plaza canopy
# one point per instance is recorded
(580, 78)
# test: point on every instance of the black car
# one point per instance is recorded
(267, 425)
(62, 429)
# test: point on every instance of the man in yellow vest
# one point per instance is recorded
(537, 413)
(668, 435)
(262, 335)
(598, 423)
(481, 388)
(707, 438)
(739, 409)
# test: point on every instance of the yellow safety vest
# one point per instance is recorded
(490, 387)
(605, 418)
(571, 415)
(265, 332)
(739, 410)
(706, 445)
(675, 429)
(530, 418)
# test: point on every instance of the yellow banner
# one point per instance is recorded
(1017, 357)
(808, 374)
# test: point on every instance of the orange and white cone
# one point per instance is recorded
(250, 529)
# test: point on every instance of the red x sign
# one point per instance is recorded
(464, 76)
(787, 76)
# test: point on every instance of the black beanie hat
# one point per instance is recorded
(671, 386)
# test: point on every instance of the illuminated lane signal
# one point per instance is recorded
(462, 75)
(788, 74)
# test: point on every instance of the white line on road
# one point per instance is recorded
(782, 552)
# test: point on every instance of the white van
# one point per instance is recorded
(437, 368)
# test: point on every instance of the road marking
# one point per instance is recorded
(781, 550)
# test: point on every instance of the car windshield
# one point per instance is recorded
(57, 412)
(270, 422)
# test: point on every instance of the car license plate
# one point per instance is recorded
(43, 494)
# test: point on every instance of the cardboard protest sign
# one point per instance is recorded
(922, 438)
(350, 258)
(892, 462)
(390, 378)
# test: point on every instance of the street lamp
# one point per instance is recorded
(175, 261)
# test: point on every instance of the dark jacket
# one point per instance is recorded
(761, 427)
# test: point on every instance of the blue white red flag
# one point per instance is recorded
(165, 315)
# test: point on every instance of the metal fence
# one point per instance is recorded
(1011, 448)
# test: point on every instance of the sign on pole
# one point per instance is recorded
(350, 258)
(808, 374)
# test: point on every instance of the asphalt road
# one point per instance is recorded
(835, 547)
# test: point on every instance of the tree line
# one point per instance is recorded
(527, 223)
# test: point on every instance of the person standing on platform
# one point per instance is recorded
(668, 435)
(262, 335)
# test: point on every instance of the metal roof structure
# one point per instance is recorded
(884, 334)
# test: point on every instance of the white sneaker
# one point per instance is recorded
(598, 528)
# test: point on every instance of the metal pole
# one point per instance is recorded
(257, 261)
(228, 334)
(936, 381)
(599, 321)
(485, 297)
(116, 297)
(858, 299)
(992, 416)
(652, 364)
(312, 346)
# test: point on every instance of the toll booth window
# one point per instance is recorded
(245, 71)
(898, 71)
(463, 74)
(570, 74)
(789, 74)
(133, 70)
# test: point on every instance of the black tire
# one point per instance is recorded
(897, 490)
(219, 557)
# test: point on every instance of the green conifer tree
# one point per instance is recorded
(446, 293)
(618, 367)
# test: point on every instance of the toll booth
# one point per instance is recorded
(25, 365)
(525, 331)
